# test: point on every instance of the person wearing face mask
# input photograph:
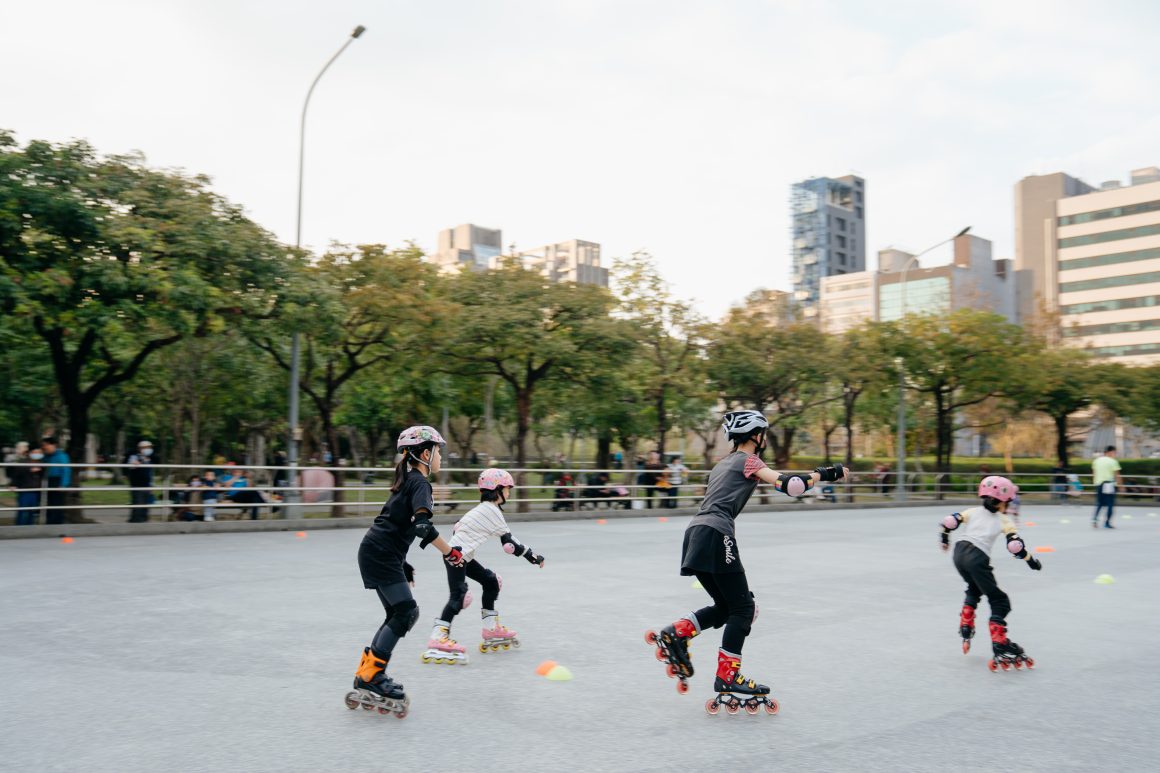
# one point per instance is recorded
(140, 475)
(26, 481)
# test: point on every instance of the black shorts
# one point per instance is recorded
(380, 565)
(708, 550)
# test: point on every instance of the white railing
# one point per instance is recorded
(364, 489)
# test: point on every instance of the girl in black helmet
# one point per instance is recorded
(711, 553)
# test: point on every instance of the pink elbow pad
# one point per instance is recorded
(950, 522)
(509, 547)
(1015, 546)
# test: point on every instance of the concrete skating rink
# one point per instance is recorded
(232, 652)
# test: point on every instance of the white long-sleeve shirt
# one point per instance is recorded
(981, 527)
(477, 526)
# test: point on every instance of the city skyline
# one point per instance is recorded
(642, 126)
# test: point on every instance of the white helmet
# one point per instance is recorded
(742, 423)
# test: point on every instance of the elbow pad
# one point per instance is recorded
(510, 545)
(952, 521)
(425, 531)
(1015, 546)
(793, 485)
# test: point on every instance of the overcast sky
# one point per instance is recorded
(675, 127)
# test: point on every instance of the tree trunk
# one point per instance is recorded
(662, 422)
(782, 447)
(78, 432)
(523, 423)
(331, 434)
(604, 451)
(1061, 440)
(848, 421)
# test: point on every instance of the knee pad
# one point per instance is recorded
(466, 600)
(493, 582)
(404, 619)
(747, 611)
(460, 595)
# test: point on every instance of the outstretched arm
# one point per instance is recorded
(513, 546)
(794, 485)
(1015, 544)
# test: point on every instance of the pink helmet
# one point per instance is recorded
(418, 435)
(492, 478)
(998, 487)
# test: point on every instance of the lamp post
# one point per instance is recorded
(295, 344)
(900, 490)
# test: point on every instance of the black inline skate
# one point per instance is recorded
(1006, 653)
(373, 689)
(736, 692)
(672, 645)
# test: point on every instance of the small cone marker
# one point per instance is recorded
(697, 584)
(1105, 579)
(300, 534)
(601, 521)
(559, 674)
(663, 519)
(1064, 520)
(66, 540)
(545, 667)
(1045, 549)
(1030, 523)
(1151, 515)
(1126, 517)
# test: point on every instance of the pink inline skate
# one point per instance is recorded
(496, 636)
(441, 648)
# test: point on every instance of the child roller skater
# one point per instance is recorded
(477, 526)
(976, 530)
(382, 563)
(711, 553)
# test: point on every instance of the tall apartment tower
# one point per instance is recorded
(468, 246)
(1035, 199)
(829, 234)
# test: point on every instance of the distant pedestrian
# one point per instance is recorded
(140, 475)
(651, 477)
(58, 476)
(675, 474)
(26, 481)
(1105, 477)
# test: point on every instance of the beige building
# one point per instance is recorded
(468, 245)
(572, 261)
(1035, 200)
(848, 300)
(1106, 279)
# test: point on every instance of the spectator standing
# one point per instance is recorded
(58, 476)
(26, 481)
(653, 470)
(1059, 483)
(675, 474)
(210, 489)
(1105, 477)
(140, 475)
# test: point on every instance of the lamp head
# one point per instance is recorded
(359, 30)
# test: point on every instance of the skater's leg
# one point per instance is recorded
(458, 598)
(742, 611)
(713, 616)
(976, 566)
(966, 562)
(488, 580)
(402, 613)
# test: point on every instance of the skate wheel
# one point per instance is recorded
(966, 647)
(384, 710)
(712, 707)
(650, 637)
(732, 707)
(993, 666)
(670, 671)
(507, 646)
(368, 707)
(515, 642)
(751, 708)
(425, 659)
(1018, 665)
(661, 655)
(771, 706)
(483, 647)
(1030, 663)
(1006, 666)
(400, 713)
(351, 700)
(682, 687)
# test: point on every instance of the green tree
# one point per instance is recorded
(955, 361)
(110, 261)
(514, 324)
(668, 332)
(759, 361)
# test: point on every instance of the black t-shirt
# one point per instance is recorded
(386, 542)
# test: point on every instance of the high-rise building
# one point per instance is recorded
(1035, 200)
(572, 261)
(848, 300)
(1105, 250)
(468, 245)
(829, 234)
(972, 280)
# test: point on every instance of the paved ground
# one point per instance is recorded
(234, 651)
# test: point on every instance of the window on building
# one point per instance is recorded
(1104, 214)
(858, 196)
(841, 223)
(841, 258)
(841, 241)
(858, 212)
(1109, 260)
(1112, 281)
(1110, 236)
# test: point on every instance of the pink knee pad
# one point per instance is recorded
(1015, 546)
(466, 600)
(499, 580)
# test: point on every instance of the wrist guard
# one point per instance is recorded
(532, 558)
(831, 474)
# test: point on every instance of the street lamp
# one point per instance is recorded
(295, 345)
(900, 490)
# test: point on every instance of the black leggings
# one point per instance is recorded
(975, 567)
(733, 607)
(401, 611)
(457, 584)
